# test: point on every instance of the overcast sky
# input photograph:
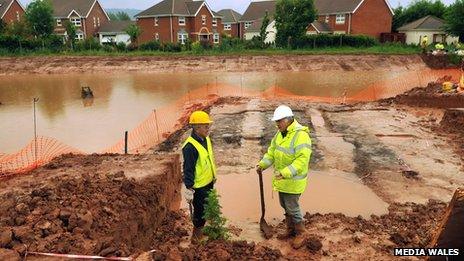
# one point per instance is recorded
(216, 5)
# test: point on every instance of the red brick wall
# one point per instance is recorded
(234, 32)
(11, 14)
(96, 12)
(61, 29)
(372, 18)
(332, 22)
(149, 29)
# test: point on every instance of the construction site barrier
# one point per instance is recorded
(162, 122)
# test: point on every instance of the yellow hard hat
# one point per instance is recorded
(199, 117)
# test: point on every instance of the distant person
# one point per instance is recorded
(289, 152)
(199, 169)
(424, 43)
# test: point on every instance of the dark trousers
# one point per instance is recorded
(199, 201)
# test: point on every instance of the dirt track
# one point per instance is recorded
(153, 64)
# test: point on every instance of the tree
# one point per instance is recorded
(39, 15)
(417, 10)
(292, 19)
(71, 32)
(19, 28)
(215, 228)
(2, 26)
(263, 32)
(134, 32)
(454, 18)
(119, 16)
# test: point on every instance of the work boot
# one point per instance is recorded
(300, 237)
(290, 229)
(197, 235)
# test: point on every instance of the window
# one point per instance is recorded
(157, 36)
(182, 20)
(247, 24)
(79, 36)
(214, 22)
(156, 21)
(94, 22)
(340, 19)
(203, 19)
(98, 21)
(58, 22)
(227, 27)
(327, 19)
(182, 37)
(17, 16)
(76, 22)
(216, 38)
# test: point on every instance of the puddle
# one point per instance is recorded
(326, 193)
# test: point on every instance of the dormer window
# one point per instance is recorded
(76, 21)
(182, 20)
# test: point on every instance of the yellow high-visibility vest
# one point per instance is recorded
(205, 168)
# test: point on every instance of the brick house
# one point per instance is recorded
(11, 11)
(231, 22)
(366, 17)
(178, 20)
(86, 15)
(255, 13)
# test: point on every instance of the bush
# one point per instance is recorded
(54, 43)
(328, 40)
(89, 44)
(206, 45)
(109, 48)
(172, 47)
(150, 46)
(215, 228)
(121, 47)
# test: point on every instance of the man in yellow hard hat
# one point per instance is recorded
(289, 152)
(199, 169)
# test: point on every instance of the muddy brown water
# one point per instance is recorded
(122, 101)
(325, 193)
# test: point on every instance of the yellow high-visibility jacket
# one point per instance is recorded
(290, 156)
(205, 167)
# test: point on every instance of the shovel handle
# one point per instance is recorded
(261, 192)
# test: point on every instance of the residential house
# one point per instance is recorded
(11, 11)
(178, 20)
(231, 22)
(255, 30)
(86, 15)
(366, 17)
(114, 32)
(429, 26)
(256, 11)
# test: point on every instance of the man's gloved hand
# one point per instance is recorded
(188, 195)
(259, 170)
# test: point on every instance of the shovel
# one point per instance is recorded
(265, 228)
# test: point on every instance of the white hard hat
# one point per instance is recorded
(282, 112)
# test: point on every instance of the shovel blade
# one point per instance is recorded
(265, 229)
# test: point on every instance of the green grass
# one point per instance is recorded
(379, 49)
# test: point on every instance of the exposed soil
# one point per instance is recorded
(430, 96)
(105, 205)
(154, 64)
(438, 61)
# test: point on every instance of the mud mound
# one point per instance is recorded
(453, 124)
(406, 225)
(91, 205)
(438, 61)
(430, 96)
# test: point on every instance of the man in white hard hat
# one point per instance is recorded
(289, 152)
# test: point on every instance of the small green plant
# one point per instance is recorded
(215, 228)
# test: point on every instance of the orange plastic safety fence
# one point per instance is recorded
(164, 121)
(38, 152)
